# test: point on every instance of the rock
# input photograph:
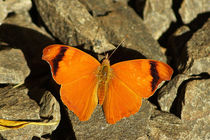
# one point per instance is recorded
(158, 15)
(3, 11)
(134, 126)
(193, 63)
(195, 57)
(13, 66)
(18, 6)
(16, 105)
(13, 6)
(137, 38)
(168, 93)
(176, 43)
(19, 32)
(167, 126)
(195, 108)
(49, 108)
(190, 9)
(72, 24)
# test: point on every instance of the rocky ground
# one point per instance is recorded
(175, 32)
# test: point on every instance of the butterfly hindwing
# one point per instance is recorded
(80, 96)
(120, 101)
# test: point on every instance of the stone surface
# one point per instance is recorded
(72, 24)
(165, 126)
(13, 66)
(3, 11)
(158, 15)
(136, 37)
(195, 56)
(19, 32)
(16, 105)
(18, 6)
(13, 6)
(168, 93)
(176, 43)
(96, 128)
(190, 9)
(194, 61)
(195, 108)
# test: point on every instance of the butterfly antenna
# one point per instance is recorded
(117, 47)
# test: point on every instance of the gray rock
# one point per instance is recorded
(158, 15)
(3, 11)
(72, 24)
(194, 60)
(18, 6)
(13, 6)
(19, 32)
(168, 93)
(128, 128)
(123, 23)
(167, 126)
(176, 43)
(16, 105)
(195, 56)
(195, 108)
(13, 66)
(191, 8)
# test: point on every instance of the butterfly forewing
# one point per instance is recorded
(142, 75)
(68, 63)
(76, 71)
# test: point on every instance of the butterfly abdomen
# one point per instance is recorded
(104, 75)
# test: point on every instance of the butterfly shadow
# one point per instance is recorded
(31, 43)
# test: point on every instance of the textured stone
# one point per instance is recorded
(158, 15)
(168, 93)
(195, 108)
(191, 8)
(13, 66)
(96, 128)
(176, 43)
(13, 6)
(124, 24)
(3, 11)
(18, 6)
(195, 56)
(19, 32)
(16, 105)
(72, 24)
(167, 126)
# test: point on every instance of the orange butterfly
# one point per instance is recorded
(119, 88)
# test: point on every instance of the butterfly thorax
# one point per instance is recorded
(104, 75)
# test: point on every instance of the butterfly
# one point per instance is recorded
(119, 88)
